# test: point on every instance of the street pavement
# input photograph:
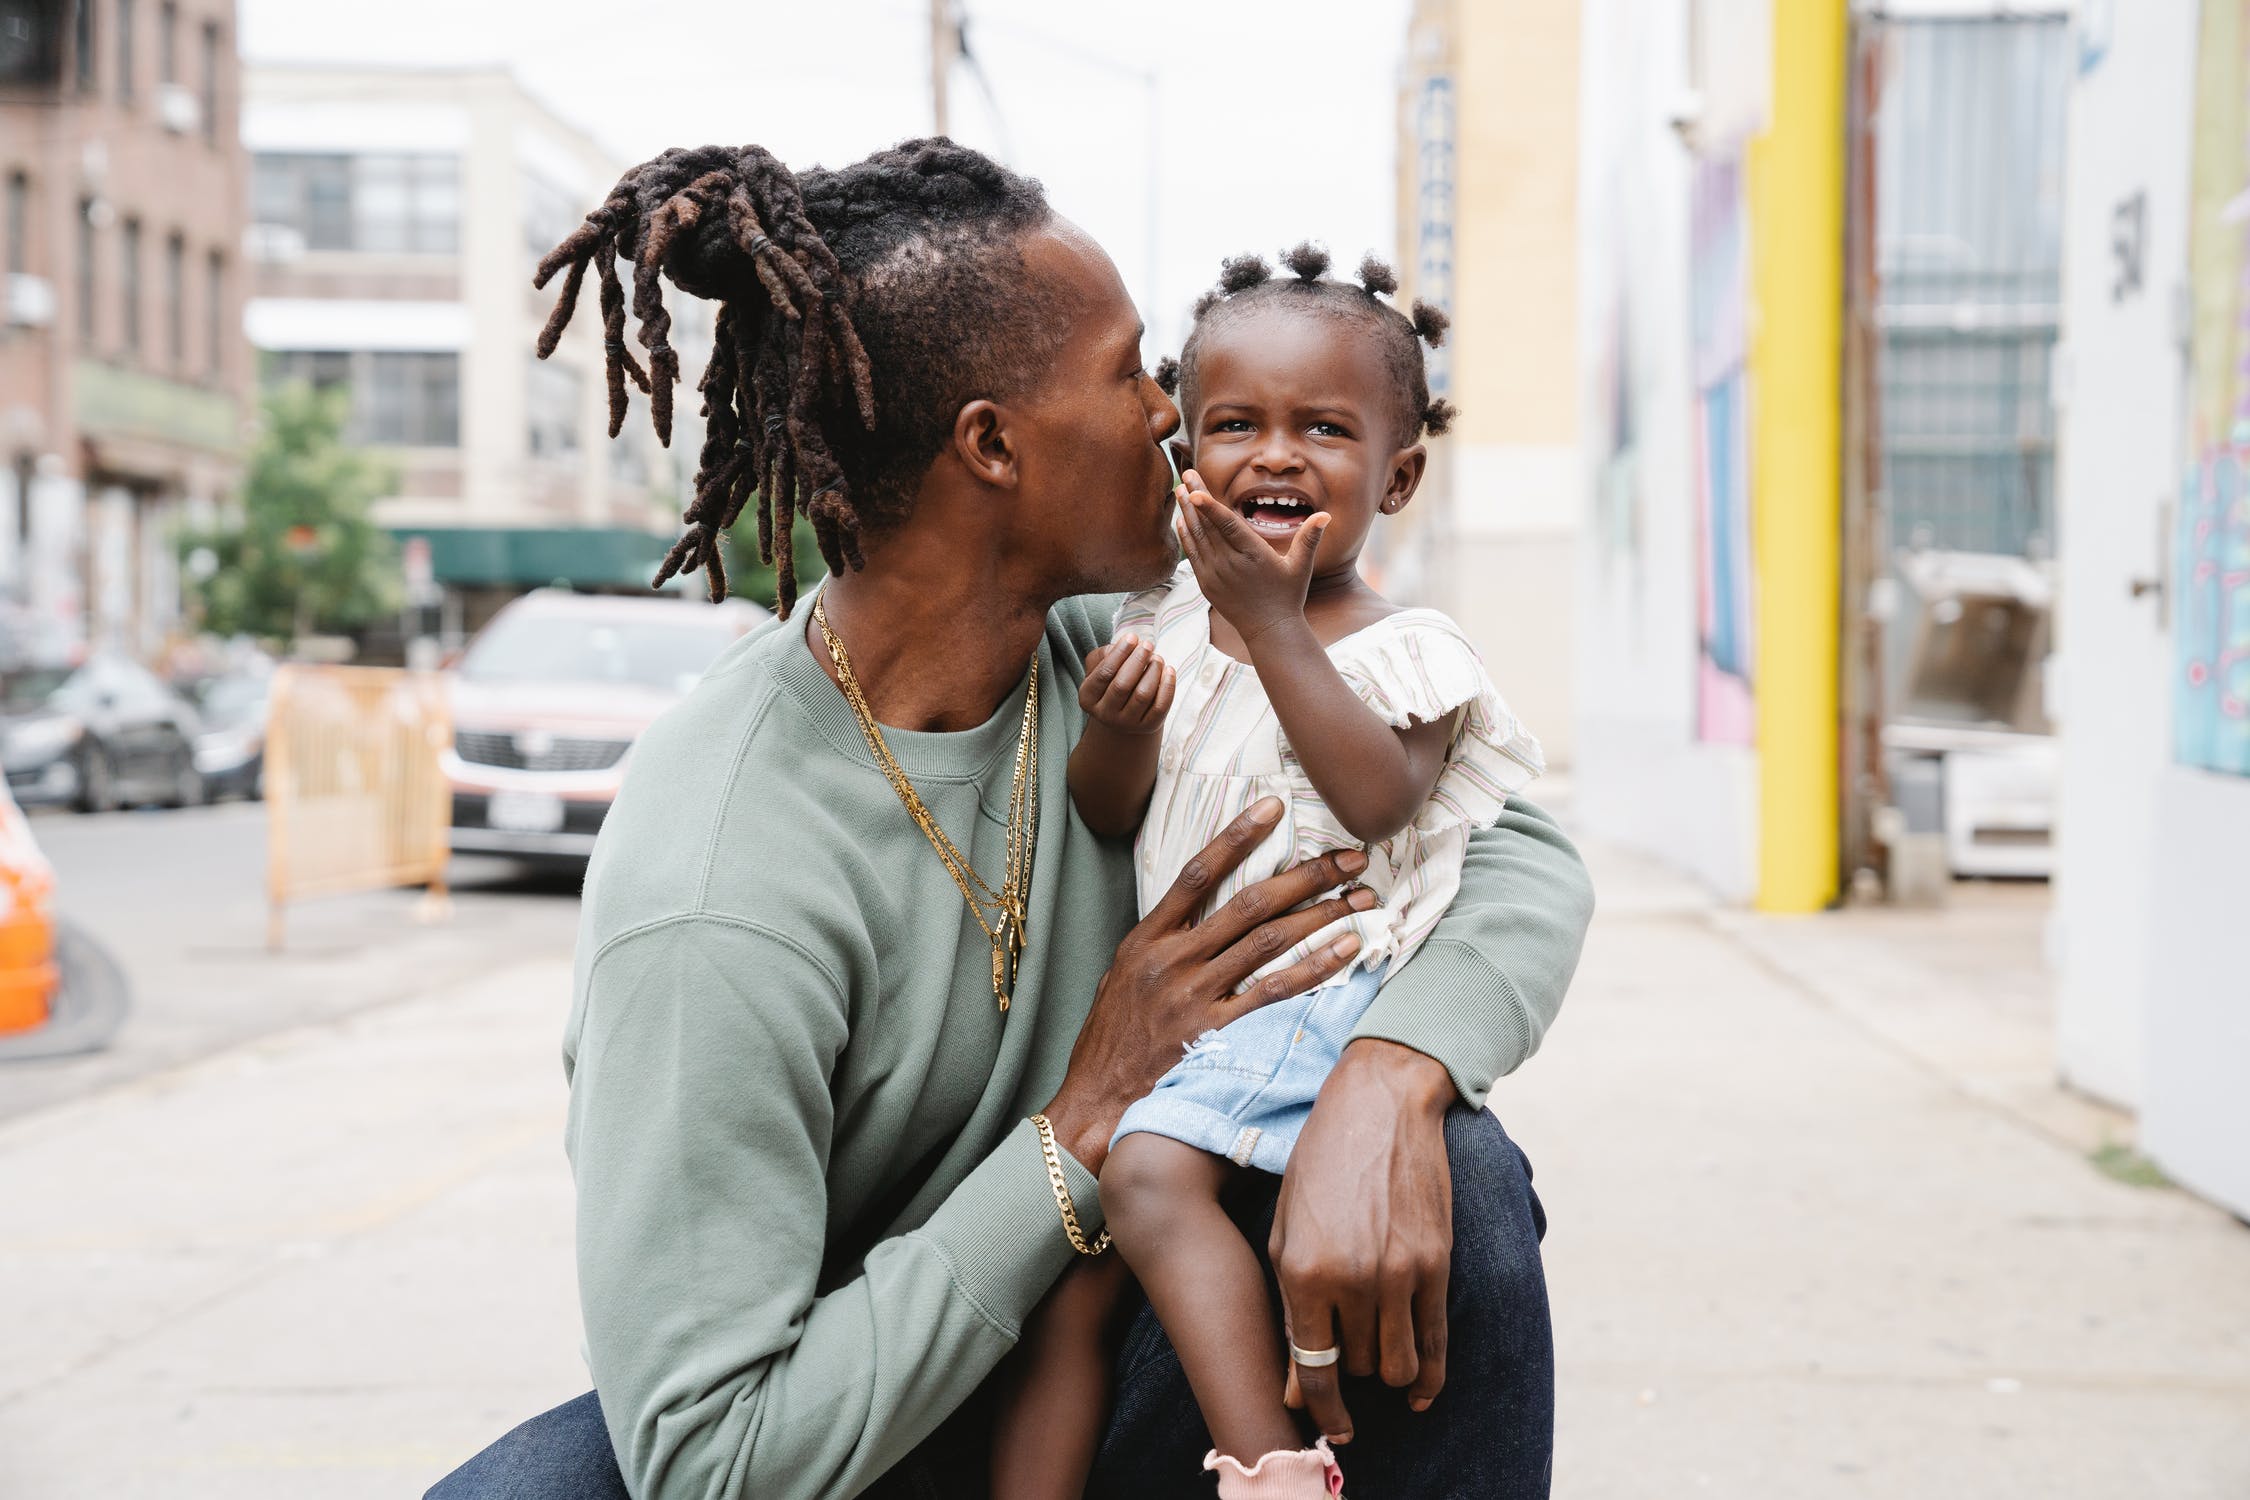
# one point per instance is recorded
(179, 898)
(1819, 1227)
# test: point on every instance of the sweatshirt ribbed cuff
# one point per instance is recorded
(1449, 1004)
(1002, 1232)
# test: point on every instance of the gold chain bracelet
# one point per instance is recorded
(1055, 1179)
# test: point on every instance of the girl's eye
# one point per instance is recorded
(1231, 424)
(1330, 429)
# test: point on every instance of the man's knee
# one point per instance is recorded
(1497, 1225)
(563, 1454)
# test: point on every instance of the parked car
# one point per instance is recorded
(548, 701)
(231, 750)
(104, 735)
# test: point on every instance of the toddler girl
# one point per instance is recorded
(1266, 667)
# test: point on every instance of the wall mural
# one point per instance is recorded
(2211, 576)
(1719, 270)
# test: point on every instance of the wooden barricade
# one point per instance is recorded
(355, 796)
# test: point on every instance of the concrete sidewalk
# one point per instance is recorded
(1819, 1228)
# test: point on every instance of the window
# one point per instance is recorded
(211, 82)
(406, 203)
(391, 203)
(550, 214)
(125, 51)
(30, 42)
(85, 270)
(129, 282)
(19, 223)
(553, 399)
(175, 300)
(168, 42)
(215, 315)
(398, 399)
(82, 45)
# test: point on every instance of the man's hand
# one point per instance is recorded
(1363, 1230)
(1128, 687)
(1174, 976)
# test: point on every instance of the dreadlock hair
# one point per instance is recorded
(1246, 282)
(899, 271)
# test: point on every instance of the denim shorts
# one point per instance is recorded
(1244, 1091)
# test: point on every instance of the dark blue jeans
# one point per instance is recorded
(1490, 1435)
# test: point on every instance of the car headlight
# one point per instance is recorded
(40, 740)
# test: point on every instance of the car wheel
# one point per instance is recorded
(187, 783)
(97, 781)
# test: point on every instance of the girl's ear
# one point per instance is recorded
(1405, 478)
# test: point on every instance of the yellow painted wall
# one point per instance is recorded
(1797, 244)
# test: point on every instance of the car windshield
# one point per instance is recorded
(32, 689)
(542, 647)
(229, 700)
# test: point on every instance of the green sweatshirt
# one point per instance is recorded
(812, 1214)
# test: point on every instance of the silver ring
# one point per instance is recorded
(1314, 1359)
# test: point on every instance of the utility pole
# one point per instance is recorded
(945, 46)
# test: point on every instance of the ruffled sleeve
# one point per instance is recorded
(1418, 668)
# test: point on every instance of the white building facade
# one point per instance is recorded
(396, 219)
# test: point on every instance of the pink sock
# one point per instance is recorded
(1284, 1474)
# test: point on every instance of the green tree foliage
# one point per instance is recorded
(749, 578)
(305, 556)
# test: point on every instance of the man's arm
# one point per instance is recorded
(1362, 1233)
(1481, 992)
(700, 1124)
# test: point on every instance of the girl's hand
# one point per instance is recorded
(1247, 581)
(1128, 687)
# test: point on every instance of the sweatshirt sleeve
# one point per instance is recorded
(701, 1118)
(1482, 990)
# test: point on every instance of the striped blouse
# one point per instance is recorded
(1223, 749)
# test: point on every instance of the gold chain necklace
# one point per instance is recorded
(1005, 928)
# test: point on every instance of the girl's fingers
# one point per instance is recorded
(1164, 695)
(1128, 676)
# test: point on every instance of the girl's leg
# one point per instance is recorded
(1054, 1389)
(1162, 1200)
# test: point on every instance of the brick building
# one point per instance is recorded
(123, 373)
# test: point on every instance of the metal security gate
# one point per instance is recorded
(1954, 288)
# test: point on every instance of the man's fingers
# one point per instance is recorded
(1308, 973)
(1202, 874)
(1429, 1338)
(1276, 894)
(1269, 940)
(1398, 1362)
(1355, 1326)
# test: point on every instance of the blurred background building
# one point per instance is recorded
(396, 217)
(123, 378)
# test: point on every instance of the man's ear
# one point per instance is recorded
(1405, 478)
(984, 446)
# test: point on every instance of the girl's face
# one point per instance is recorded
(1296, 414)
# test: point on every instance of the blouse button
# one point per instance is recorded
(1171, 758)
(1211, 671)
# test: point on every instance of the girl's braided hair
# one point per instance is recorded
(899, 272)
(1246, 282)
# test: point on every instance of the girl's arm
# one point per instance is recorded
(1374, 778)
(1126, 694)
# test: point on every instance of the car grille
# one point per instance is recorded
(533, 751)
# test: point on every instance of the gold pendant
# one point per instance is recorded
(1007, 949)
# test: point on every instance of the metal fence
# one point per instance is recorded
(1967, 116)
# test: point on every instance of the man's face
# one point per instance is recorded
(1096, 500)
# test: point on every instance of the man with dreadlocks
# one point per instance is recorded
(859, 1001)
